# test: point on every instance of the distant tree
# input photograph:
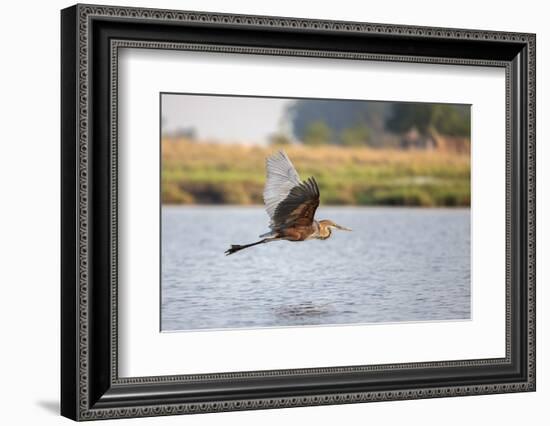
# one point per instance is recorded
(279, 138)
(452, 120)
(355, 136)
(185, 133)
(408, 115)
(317, 133)
(337, 114)
(385, 120)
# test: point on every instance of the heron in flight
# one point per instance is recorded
(291, 206)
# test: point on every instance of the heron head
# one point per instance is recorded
(330, 224)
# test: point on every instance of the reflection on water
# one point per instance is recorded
(397, 265)
(305, 309)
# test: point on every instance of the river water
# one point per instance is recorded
(398, 264)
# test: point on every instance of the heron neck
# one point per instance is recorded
(324, 231)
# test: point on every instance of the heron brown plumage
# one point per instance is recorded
(291, 204)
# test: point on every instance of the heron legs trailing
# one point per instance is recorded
(236, 247)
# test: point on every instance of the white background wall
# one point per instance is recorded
(29, 225)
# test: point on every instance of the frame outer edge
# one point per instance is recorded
(83, 91)
(69, 190)
(531, 201)
(81, 340)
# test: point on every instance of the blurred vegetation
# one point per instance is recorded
(355, 136)
(451, 120)
(279, 138)
(317, 133)
(375, 123)
(196, 172)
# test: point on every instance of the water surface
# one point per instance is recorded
(398, 264)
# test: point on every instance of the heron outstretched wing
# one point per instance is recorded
(299, 207)
(281, 178)
(287, 200)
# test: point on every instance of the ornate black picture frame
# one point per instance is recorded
(91, 387)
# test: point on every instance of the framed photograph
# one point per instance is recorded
(263, 212)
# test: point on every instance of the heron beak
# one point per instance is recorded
(343, 228)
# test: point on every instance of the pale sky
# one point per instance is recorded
(223, 118)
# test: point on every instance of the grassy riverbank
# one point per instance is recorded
(203, 173)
